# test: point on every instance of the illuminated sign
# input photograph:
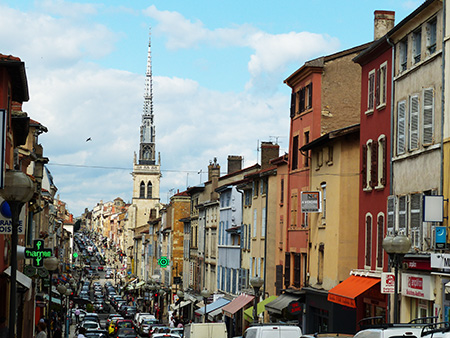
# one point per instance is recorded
(37, 253)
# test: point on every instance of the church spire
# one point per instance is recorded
(147, 141)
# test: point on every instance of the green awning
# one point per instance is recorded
(248, 314)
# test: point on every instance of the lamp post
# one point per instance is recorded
(205, 293)
(17, 191)
(256, 283)
(396, 247)
(62, 291)
(51, 264)
(68, 293)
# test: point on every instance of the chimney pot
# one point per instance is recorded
(384, 21)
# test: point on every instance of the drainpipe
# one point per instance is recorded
(242, 224)
(391, 174)
(265, 242)
(441, 186)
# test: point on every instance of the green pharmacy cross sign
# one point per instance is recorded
(37, 253)
(163, 262)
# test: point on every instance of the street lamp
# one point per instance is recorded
(256, 283)
(68, 293)
(396, 247)
(205, 293)
(17, 191)
(51, 264)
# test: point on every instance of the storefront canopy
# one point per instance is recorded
(248, 314)
(180, 305)
(236, 304)
(282, 302)
(213, 306)
(346, 292)
(139, 285)
(22, 279)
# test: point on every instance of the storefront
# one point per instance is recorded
(417, 296)
(234, 314)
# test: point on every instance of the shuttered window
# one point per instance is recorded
(380, 237)
(278, 279)
(297, 269)
(428, 116)
(368, 251)
(287, 269)
(414, 122)
(292, 105)
(374, 164)
(382, 167)
(371, 91)
(401, 127)
(309, 87)
(377, 88)
(255, 215)
(402, 214)
(416, 220)
(390, 214)
(364, 166)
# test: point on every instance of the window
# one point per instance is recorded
(320, 263)
(374, 164)
(403, 54)
(324, 200)
(293, 100)
(308, 96)
(247, 197)
(401, 127)
(302, 100)
(282, 191)
(263, 223)
(306, 141)
(402, 214)
(367, 165)
(428, 116)
(413, 122)
(380, 237)
(391, 215)
(255, 187)
(142, 190)
(294, 202)
(415, 216)
(431, 36)
(294, 164)
(381, 86)
(368, 254)
(297, 269)
(255, 215)
(149, 190)
(382, 167)
(417, 45)
(319, 161)
(287, 269)
(371, 93)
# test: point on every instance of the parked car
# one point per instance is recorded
(267, 330)
(127, 332)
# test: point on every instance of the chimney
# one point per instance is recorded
(213, 176)
(234, 163)
(269, 151)
(384, 21)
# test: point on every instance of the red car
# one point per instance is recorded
(100, 268)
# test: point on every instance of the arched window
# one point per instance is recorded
(149, 190)
(142, 190)
(368, 254)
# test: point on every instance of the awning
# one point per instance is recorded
(22, 279)
(236, 304)
(346, 292)
(213, 314)
(182, 304)
(221, 302)
(248, 314)
(282, 302)
(54, 300)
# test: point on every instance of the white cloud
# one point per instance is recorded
(67, 9)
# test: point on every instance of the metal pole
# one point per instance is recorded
(396, 262)
(50, 307)
(205, 320)
(255, 305)
(15, 211)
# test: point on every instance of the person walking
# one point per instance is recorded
(77, 315)
(41, 330)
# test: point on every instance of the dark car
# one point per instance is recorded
(126, 333)
(96, 334)
(129, 311)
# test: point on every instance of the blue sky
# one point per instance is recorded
(218, 71)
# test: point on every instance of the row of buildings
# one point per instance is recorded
(43, 216)
(368, 146)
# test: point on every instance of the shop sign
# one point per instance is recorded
(310, 201)
(6, 221)
(417, 286)
(417, 264)
(387, 282)
(37, 253)
(440, 261)
(294, 307)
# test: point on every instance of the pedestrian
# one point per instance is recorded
(41, 330)
(3, 328)
(77, 315)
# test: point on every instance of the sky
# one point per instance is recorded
(218, 70)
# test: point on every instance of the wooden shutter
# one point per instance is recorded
(416, 219)
(293, 105)
(287, 269)
(380, 237)
(377, 88)
(371, 91)
(383, 147)
(364, 166)
(297, 269)
(310, 89)
(302, 100)
(402, 214)
(428, 116)
(368, 256)
(374, 164)
(401, 128)
(414, 122)
(278, 279)
(390, 214)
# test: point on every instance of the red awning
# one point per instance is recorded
(346, 292)
(236, 304)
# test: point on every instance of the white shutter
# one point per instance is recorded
(414, 122)
(401, 127)
(263, 223)
(255, 217)
(391, 215)
(416, 219)
(428, 116)
(402, 214)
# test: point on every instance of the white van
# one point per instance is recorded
(272, 331)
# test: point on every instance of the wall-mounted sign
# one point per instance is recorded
(37, 253)
(387, 282)
(310, 201)
(417, 286)
(6, 221)
(433, 208)
(295, 308)
(163, 262)
(441, 237)
(440, 261)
